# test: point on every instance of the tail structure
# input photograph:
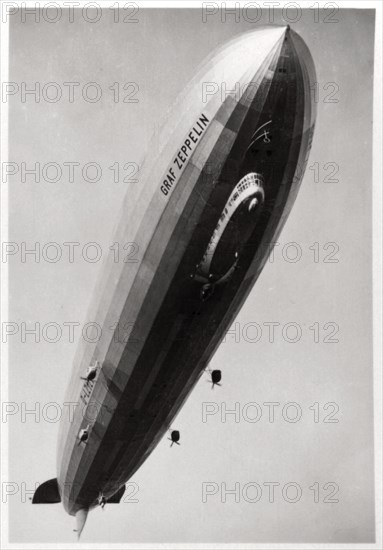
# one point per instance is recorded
(47, 493)
(81, 516)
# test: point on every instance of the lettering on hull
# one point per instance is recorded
(183, 154)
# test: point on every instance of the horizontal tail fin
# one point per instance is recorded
(117, 496)
(47, 493)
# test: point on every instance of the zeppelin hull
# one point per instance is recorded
(168, 327)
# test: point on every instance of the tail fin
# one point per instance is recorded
(81, 516)
(117, 496)
(47, 493)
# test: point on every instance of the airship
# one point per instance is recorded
(216, 187)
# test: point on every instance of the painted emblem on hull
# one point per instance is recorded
(265, 133)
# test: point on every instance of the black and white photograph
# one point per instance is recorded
(191, 274)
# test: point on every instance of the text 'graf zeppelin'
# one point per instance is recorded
(183, 154)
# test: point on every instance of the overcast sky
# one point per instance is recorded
(161, 53)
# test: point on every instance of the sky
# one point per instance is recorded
(161, 53)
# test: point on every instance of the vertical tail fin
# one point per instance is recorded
(81, 516)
